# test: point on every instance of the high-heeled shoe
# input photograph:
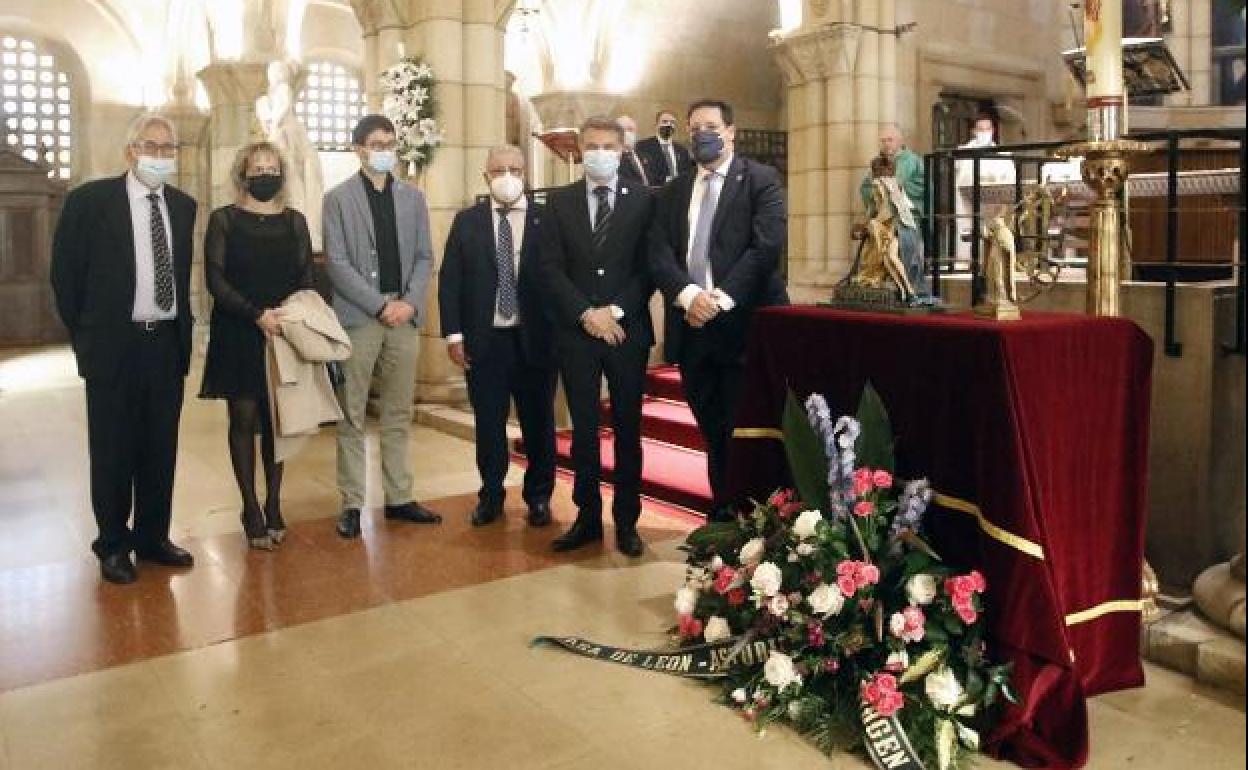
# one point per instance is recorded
(262, 542)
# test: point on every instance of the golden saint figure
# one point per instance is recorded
(881, 263)
(1000, 300)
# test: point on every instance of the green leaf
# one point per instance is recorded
(718, 535)
(875, 443)
(804, 450)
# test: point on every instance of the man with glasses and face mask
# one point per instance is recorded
(593, 270)
(661, 155)
(121, 270)
(715, 254)
(380, 257)
(497, 330)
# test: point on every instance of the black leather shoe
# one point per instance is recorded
(539, 515)
(165, 554)
(579, 534)
(413, 512)
(629, 543)
(117, 568)
(349, 523)
(486, 513)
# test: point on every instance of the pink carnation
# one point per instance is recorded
(690, 627)
(882, 479)
(846, 584)
(724, 578)
(736, 596)
(881, 694)
(864, 509)
(780, 497)
(862, 482)
(908, 625)
(853, 575)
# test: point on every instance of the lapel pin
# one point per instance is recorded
(740, 177)
(623, 191)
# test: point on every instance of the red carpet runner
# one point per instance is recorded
(674, 466)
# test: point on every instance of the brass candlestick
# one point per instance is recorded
(1106, 166)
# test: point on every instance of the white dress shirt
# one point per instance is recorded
(516, 217)
(690, 292)
(145, 307)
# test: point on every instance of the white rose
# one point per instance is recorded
(826, 600)
(752, 552)
(921, 588)
(778, 605)
(716, 629)
(739, 695)
(942, 688)
(716, 563)
(779, 671)
(805, 549)
(686, 601)
(804, 527)
(767, 578)
(898, 661)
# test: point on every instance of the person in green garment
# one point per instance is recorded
(908, 164)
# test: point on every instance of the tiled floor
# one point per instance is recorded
(408, 649)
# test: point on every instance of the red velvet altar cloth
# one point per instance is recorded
(1043, 425)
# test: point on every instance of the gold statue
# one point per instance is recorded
(881, 263)
(1000, 261)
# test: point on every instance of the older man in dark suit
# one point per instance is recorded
(498, 330)
(594, 271)
(121, 269)
(714, 253)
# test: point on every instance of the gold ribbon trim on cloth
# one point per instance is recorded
(1014, 541)
(1105, 608)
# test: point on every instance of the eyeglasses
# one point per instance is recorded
(381, 146)
(159, 150)
(495, 173)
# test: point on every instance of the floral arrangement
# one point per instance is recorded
(858, 609)
(408, 101)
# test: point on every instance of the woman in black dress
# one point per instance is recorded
(257, 253)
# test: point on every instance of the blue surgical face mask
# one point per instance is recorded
(601, 165)
(382, 161)
(153, 171)
(707, 146)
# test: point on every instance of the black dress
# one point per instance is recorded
(252, 262)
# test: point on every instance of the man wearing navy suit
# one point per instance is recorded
(714, 252)
(121, 272)
(595, 277)
(498, 330)
(662, 157)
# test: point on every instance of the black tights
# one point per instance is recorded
(247, 418)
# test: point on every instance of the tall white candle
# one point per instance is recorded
(1102, 30)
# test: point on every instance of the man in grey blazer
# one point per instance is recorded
(380, 257)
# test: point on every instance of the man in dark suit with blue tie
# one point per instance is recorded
(121, 272)
(498, 330)
(595, 276)
(714, 252)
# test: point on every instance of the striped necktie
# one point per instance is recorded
(162, 262)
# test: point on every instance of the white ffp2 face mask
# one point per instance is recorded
(601, 165)
(506, 189)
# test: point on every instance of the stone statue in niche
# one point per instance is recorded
(276, 112)
(999, 263)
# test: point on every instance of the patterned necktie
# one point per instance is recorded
(162, 262)
(601, 214)
(505, 255)
(698, 263)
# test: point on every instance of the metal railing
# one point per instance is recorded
(942, 232)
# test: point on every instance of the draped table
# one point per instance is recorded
(1034, 434)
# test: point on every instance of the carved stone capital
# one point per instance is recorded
(817, 54)
(374, 15)
(234, 83)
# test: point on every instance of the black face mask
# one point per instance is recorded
(264, 187)
(665, 132)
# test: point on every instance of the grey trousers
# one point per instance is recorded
(392, 354)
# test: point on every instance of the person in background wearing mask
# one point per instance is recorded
(593, 269)
(497, 330)
(257, 253)
(380, 258)
(632, 170)
(121, 273)
(661, 155)
(991, 171)
(909, 168)
(715, 254)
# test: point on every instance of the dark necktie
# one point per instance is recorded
(506, 255)
(669, 157)
(162, 262)
(601, 214)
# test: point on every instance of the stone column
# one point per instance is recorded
(828, 87)
(233, 87)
